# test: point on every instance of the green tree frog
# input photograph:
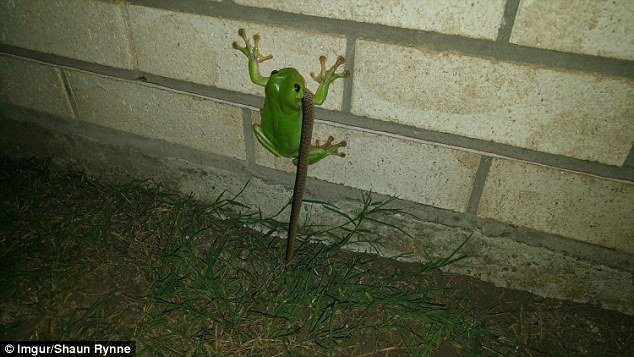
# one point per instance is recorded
(281, 126)
(287, 120)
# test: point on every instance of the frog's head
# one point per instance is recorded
(286, 87)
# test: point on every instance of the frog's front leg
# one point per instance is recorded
(326, 77)
(319, 151)
(254, 56)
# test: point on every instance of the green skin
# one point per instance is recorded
(280, 131)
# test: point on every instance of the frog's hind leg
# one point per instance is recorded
(320, 151)
(259, 134)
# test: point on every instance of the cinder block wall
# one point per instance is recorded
(507, 120)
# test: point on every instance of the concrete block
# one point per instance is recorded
(601, 28)
(582, 207)
(390, 165)
(477, 19)
(33, 85)
(149, 111)
(198, 49)
(574, 114)
(92, 31)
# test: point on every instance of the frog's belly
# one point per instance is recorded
(282, 129)
(285, 138)
(286, 144)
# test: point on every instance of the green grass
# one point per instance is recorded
(93, 261)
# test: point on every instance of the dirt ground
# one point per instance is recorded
(537, 325)
(551, 326)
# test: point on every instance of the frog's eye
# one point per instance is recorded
(297, 87)
(274, 71)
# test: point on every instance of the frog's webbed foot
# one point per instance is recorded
(326, 77)
(254, 56)
(320, 151)
(252, 52)
(330, 148)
